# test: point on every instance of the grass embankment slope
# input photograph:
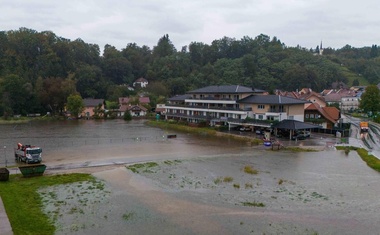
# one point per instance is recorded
(23, 204)
(371, 160)
(201, 130)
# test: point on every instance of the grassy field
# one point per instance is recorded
(352, 76)
(23, 204)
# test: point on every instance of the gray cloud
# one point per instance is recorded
(114, 22)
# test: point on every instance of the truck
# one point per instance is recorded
(363, 126)
(28, 154)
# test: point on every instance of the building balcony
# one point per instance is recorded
(205, 107)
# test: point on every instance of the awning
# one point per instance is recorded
(294, 125)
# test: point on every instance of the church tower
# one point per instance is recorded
(320, 49)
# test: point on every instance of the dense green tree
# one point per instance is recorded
(370, 100)
(49, 68)
(16, 94)
(374, 51)
(164, 47)
(75, 105)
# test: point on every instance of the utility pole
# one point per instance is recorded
(5, 155)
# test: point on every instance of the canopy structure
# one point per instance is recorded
(294, 125)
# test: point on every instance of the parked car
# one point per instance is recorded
(245, 128)
(298, 137)
(304, 133)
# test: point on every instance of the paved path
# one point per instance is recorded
(5, 226)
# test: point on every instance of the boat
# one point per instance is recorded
(171, 136)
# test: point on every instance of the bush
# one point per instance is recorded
(127, 116)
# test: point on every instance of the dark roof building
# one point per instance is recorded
(229, 89)
(271, 99)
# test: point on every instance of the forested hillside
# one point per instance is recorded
(39, 70)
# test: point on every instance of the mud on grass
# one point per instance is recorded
(71, 207)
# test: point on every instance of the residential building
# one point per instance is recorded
(134, 110)
(214, 105)
(274, 107)
(334, 96)
(160, 109)
(90, 105)
(326, 117)
(222, 105)
(140, 82)
(349, 104)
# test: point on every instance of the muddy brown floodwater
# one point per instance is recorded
(199, 185)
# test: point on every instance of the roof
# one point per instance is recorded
(88, 102)
(333, 97)
(294, 125)
(125, 107)
(126, 100)
(180, 98)
(329, 113)
(270, 99)
(141, 80)
(230, 89)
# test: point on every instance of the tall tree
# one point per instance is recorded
(75, 105)
(164, 47)
(370, 100)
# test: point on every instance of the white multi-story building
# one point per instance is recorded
(222, 105)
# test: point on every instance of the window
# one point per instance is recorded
(311, 115)
(307, 115)
(281, 108)
(261, 117)
(260, 106)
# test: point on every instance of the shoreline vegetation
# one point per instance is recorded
(367, 157)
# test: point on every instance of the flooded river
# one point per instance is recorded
(324, 192)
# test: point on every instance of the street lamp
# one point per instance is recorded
(5, 155)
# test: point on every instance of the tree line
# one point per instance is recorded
(40, 70)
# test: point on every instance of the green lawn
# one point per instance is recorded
(24, 206)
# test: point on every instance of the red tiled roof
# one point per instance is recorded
(329, 113)
(126, 100)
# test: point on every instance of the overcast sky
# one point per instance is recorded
(119, 22)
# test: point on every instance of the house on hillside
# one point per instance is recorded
(327, 117)
(90, 105)
(140, 82)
